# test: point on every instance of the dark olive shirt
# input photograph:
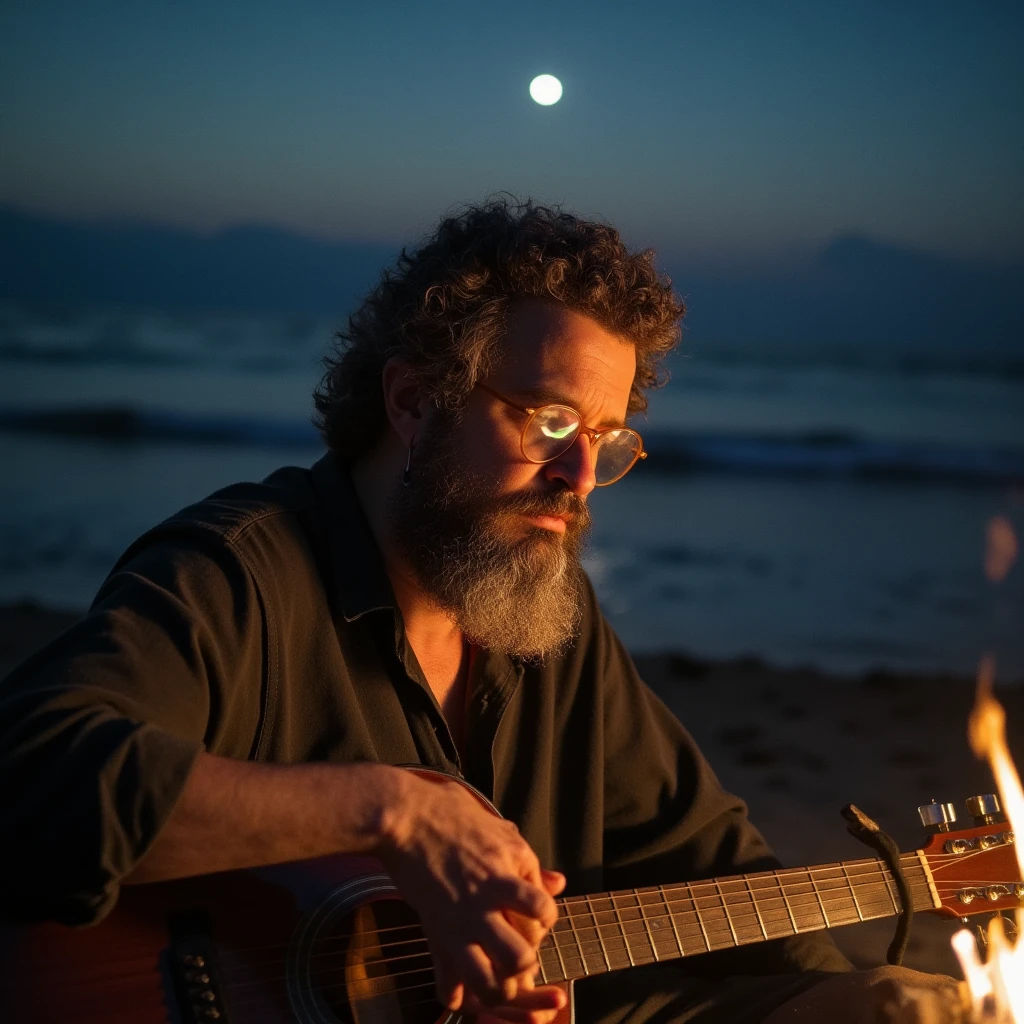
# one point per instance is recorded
(260, 624)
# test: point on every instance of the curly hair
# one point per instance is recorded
(442, 309)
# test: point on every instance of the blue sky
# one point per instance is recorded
(730, 131)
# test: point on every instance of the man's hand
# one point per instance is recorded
(483, 899)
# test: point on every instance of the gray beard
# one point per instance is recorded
(519, 596)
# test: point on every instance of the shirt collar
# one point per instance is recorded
(361, 582)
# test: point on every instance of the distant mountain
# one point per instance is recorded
(856, 293)
(243, 268)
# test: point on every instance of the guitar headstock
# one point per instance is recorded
(975, 870)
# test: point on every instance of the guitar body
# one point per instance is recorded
(322, 941)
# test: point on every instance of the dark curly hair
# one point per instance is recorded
(442, 310)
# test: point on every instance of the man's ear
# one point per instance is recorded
(404, 402)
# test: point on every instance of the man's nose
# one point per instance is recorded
(574, 467)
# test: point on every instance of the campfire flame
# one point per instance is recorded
(997, 985)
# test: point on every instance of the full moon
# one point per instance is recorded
(546, 89)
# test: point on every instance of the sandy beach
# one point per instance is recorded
(797, 745)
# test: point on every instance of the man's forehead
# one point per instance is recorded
(552, 354)
(549, 342)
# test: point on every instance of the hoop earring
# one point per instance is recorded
(406, 476)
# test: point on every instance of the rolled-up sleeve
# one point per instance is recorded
(100, 730)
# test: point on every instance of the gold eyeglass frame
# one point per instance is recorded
(590, 432)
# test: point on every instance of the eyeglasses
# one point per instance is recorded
(551, 430)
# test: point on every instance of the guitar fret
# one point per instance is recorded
(725, 907)
(853, 892)
(694, 927)
(625, 937)
(875, 898)
(647, 924)
(774, 875)
(713, 918)
(747, 923)
(821, 902)
(775, 910)
(842, 906)
(808, 913)
(575, 935)
(599, 934)
(757, 909)
(661, 925)
(600, 937)
(700, 921)
(672, 920)
(558, 951)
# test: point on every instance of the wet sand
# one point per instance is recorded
(797, 745)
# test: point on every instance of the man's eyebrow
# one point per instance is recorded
(536, 397)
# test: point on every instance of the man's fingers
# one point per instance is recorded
(519, 895)
(529, 927)
(477, 972)
(531, 1006)
(450, 993)
(553, 881)
(511, 953)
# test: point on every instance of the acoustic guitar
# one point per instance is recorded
(330, 941)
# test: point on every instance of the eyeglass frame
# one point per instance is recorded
(590, 432)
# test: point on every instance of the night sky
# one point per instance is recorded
(736, 132)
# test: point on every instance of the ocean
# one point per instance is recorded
(825, 507)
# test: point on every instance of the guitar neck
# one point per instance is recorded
(614, 930)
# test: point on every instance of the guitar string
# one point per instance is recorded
(399, 990)
(876, 873)
(618, 934)
(370, 964)
(762, 896)
(883, 878)
(874, 867)
(598, 926)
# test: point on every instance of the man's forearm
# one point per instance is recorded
(237, 814)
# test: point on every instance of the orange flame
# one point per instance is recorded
(997, 985)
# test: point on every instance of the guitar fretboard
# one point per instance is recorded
(595, 934)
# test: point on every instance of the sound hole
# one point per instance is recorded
(373, 967)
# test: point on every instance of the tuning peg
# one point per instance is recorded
(937, 817)
(985, 809)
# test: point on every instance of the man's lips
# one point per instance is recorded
(556, 524)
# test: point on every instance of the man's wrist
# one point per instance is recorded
(386, 791)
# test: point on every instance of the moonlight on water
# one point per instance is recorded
(546, 89)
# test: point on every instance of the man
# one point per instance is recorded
(253, 668)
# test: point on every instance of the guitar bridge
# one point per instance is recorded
(192, 964)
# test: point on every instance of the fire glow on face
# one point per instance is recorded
(997, 984)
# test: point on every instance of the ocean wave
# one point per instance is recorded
(831, 454)
(820, 454)
(126, 425)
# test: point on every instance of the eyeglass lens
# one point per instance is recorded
(552, 430)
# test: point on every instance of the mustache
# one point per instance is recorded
(561, 503)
